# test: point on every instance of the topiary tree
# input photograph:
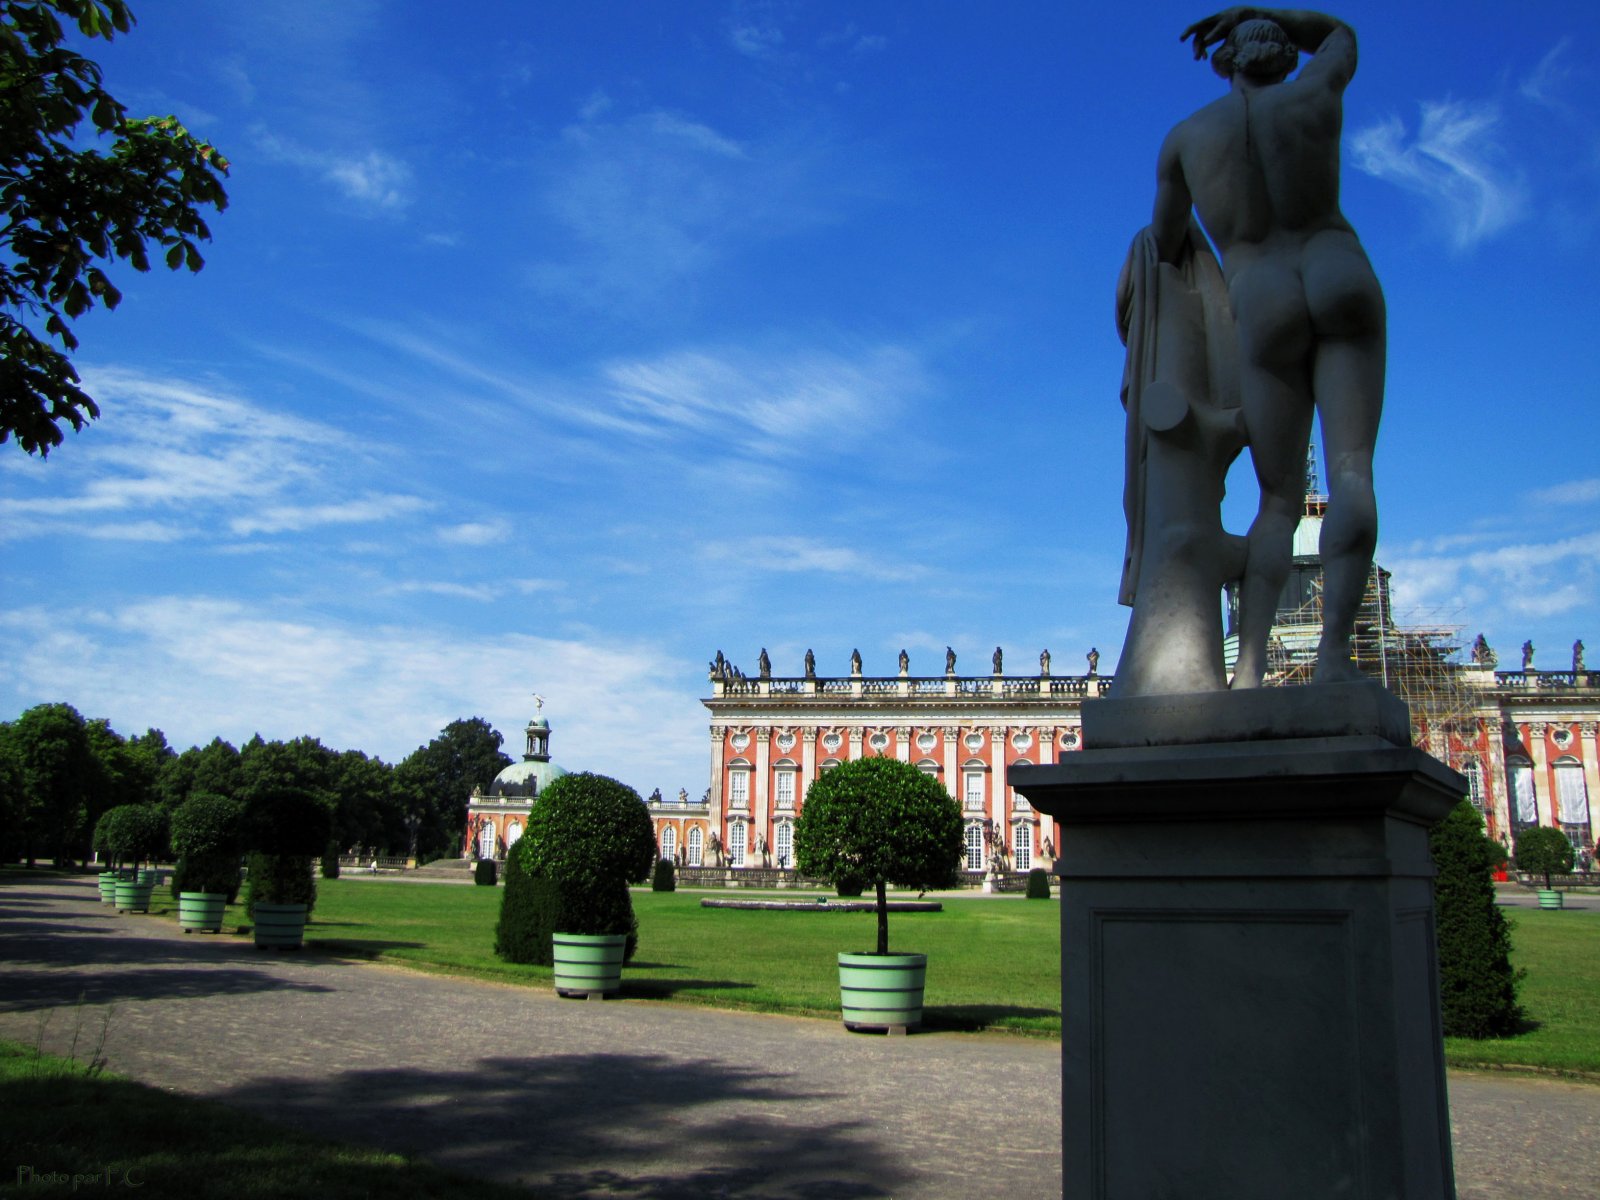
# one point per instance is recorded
(1038, 884)
(881, 821)
(287, 826)
(665, 878)
(208, 837)
(1477, 984)
(131, 833)
(484, 874)
(587, 838)
(1544, 851)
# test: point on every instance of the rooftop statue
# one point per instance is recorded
(1290, 323)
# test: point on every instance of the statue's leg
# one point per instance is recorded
(1347, 310)
(1274, 341)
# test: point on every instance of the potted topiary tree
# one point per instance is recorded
(287, 826)
(133, 833)
(880, 821)
(207, 832)
(565, 899)
(1545, 851)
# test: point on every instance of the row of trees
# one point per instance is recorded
(60, 773)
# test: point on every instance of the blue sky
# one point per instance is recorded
(553, 347)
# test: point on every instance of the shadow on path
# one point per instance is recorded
(635, 1125)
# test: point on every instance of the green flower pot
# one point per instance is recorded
(150, 875)
(108, 887)
(882, 992)
(281, 926)
(1549, 898)
(588, 964)
(132, 896)
(202, 911)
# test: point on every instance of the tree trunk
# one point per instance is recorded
(883, 918)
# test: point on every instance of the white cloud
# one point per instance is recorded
(294, 518)
(481, 592)
(199, 667)
(374, 179)
(1454, 162)
(476, 533)
(1578, 491)
(808, 556)
(1548, 77)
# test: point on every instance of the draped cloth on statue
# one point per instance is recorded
(1180, 331)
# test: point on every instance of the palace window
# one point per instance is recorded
(1572, 801)
(738, 789)
(785, 836)
(1022, 846)
(513, 832)
(736, 844)
(486, 840)
(669, 843)
(783, 786)
(696, 841)
(974, 843)
(972, 790)
(1524, 805)
(1474, 774)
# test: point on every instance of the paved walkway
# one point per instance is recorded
(620, 1098)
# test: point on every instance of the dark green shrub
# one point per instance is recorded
(284, 818)
(207, 832)
(1477, 984)
(330, 862)
(849, 886)
(131, 833)
(590, 837)
(666, 877)
(1038, 884)
(529, 906)
(281, 879)
(1544, 851)
(485, 873)
(881, 821)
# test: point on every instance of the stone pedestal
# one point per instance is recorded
(1250, 1003)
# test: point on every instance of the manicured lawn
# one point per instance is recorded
(65, 1130)
(1561, 995)
(994, 963)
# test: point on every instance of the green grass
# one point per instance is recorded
(66, 1129)
(1561, 996)
(994, 963)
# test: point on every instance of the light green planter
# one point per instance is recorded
(108, 887)
(133, 897)
(1549, 898)
(281, 926)
(202, 911)
(150, 875)
(588, 964)
(882, 991)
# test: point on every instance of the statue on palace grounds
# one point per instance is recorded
(999, 658)
(1577, 657)
(1482, 654)
(1527, 656)
(949, 661)
(905, 662)
(1290, 323)
(1044, 663)
(764, 664)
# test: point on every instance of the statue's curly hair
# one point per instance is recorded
(1257, 48)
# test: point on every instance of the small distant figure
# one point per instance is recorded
(1482, 654)
(765, 664)
(1577, 656)
(683, 797)
(949, 661)
(374, 868)
(811, 665)
(905, 662)
(1044, 663)
(855, 662)
(997, 660)
(1527, 656)
(1094, 660)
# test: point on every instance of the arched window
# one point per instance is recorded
(736, 844)
(972, 785)
(486, 837)
(785, 835)
(974, 843)
(1572, 800)
(1022, 845)
(697, 843)
(1474, 773)
(513, 832)
(783, 789)
(738, 784)
(669, 843)
(1524, 805)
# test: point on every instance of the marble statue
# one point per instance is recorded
(1094, 660)
(764, 664)
(1577, 657)
(1242, 345)
(949, 661)
(1044, 663)
(1482, 654)
(855, 662)
(905, 662)
(1527, 656)
(811, 665)
(997, 660)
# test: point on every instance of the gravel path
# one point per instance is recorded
(619, 1098)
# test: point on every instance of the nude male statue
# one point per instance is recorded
(1260, 168)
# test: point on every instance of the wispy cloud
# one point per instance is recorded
(1502, 585)
(375, 180)
(200, 667)
(1454, 161)
(1578, 491)
(808, 555)
(476, 533)
(294, 518)
(1543, 84)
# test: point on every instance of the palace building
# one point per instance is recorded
(1524, 739)
(497, 817)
